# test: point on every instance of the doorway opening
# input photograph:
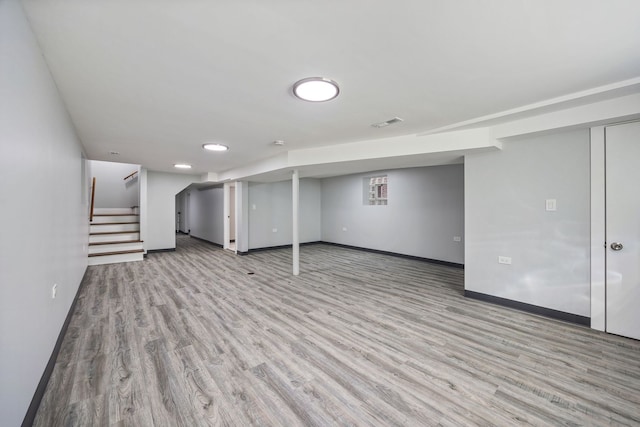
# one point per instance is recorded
(230, 217)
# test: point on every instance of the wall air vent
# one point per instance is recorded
(387, 123)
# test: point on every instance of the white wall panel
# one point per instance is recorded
(206, 214)
(425, 211)
(270, 208)
(160, 211)
(44, 216)
(505, 194)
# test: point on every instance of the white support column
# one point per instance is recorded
(295, 185)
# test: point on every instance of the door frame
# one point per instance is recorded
(598, 229)
(226, 216)
(598, 225)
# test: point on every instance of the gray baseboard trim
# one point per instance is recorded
(155, 251)
(376, 251)
(530, 308)
(395, 254)
(30, 416)
(207, 241)
(268, 248)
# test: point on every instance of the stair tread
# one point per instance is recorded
(114, 223)
(115, 242)
(132, 251)
(120, 214)
(113, 232)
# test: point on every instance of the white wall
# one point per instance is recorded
(270, 207)
(44, 214)
(505, 215)
(242, 209)
(206, 217)
(425, 211)
(160, 212)
(112, 191)
(232, 213)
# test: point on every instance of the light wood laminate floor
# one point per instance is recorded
(191, 338)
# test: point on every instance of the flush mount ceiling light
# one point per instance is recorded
(215, 147)
(278, 142)
(316, 89)
(182, 166)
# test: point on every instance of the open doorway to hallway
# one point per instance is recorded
(230, 208)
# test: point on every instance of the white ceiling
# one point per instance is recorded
(154, 80)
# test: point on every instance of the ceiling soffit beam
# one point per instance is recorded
(459, 142)
(594, 114)
(462, 141)
(589, 96)
(470, 139)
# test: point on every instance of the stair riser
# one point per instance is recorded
(114, 227)
(108, 219)
(114, 247)
(112, 259)
(111, 211)
(114, 237)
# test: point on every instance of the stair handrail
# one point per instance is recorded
(130, 175)
(93, 196)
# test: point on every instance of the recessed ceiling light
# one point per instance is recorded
(215, 147)
(316, 89)
(182, 166)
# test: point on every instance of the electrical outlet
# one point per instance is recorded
(457, 238)
(275, 230)
(504, 260)
(54, 290)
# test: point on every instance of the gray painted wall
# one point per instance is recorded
(183, 209)
(506, 216)
(206, 214)
(112, 191)
(424, 212)
(160, 211)
(270, 207)
(44, 215)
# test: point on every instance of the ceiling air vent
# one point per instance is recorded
(387, 123)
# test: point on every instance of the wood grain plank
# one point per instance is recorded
(188, 338)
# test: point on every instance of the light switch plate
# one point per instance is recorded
(550, 205)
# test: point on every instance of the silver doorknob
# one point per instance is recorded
(616, 246)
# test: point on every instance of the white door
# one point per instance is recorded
(623, 229)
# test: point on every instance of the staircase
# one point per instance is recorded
(115, 236)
